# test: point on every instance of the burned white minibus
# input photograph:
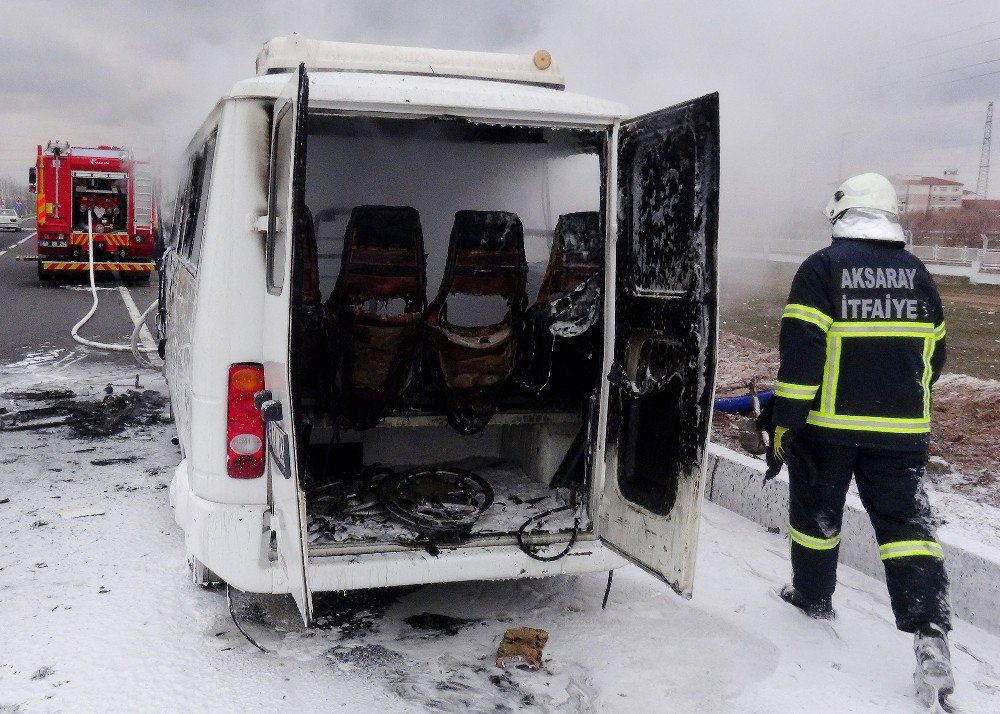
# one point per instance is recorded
(427, 317)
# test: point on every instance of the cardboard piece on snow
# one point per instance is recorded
(522, 647)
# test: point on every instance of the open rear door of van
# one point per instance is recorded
(284, 237)
(665, 312)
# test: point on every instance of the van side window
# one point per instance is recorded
(181, 202)
(191, 216)
(204, 183)
(280, 224)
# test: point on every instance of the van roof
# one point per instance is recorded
(476, 99)
(283, 54)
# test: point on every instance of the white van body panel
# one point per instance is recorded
(221, 314)
(442, 96)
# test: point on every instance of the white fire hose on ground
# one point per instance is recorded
(133, 346)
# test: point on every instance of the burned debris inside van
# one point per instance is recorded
(429, 506)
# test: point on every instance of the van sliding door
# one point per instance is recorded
(286, 205)
(663, 371)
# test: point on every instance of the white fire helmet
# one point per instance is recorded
(863, 191)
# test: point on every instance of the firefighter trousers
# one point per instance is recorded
(890, 484)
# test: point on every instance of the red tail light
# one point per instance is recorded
(245, 426)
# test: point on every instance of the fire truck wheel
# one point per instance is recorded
(44, 274)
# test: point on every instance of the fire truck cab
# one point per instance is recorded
(101, 188)
(334, 415)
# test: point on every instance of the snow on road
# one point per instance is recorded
(98, 613)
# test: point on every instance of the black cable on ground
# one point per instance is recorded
(239, 627)
(547, 558)
(607, 590)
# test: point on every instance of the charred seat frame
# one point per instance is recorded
(485, 257)
(383, 260)
(562, 329)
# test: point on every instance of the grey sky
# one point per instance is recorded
(805, 86)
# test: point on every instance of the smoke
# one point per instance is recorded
(810, 93)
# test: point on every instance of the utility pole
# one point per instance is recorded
(982, 184)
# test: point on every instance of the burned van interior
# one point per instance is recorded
(447, 335)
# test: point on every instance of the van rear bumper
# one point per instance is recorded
(229, 539)
(233, 542)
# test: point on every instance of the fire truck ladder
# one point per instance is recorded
(143, 196)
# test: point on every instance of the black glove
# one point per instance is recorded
(765, 425)
(783, 446)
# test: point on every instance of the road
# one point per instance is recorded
(37, 317)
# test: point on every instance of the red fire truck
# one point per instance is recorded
(107, 185)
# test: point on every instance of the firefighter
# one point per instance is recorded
(862, 341)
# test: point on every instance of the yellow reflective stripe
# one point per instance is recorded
(907, 548)
(939, 332)
(808, 314)
(795, 391)
(890, 425)
(925, 381)
(812, 543)
(831, 374)
(883, 328)
(793, 395)
(836, 374)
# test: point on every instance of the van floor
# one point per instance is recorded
(516, 499)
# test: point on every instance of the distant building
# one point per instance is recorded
(927, 193)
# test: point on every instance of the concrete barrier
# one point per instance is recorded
(736, 482)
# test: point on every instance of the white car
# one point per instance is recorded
(9, 220)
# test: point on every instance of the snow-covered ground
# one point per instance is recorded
(98, 614)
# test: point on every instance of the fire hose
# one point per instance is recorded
(133, 346)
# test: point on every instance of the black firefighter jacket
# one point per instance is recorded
(862, 341)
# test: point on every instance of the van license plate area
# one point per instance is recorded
(277, 448)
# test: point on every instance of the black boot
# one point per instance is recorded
(932, 679)
(818, 608)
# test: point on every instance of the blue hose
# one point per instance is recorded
(742, 402)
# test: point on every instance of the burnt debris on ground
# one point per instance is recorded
(355, 612)
(39, 395)
(86, 418)
(433, 622)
